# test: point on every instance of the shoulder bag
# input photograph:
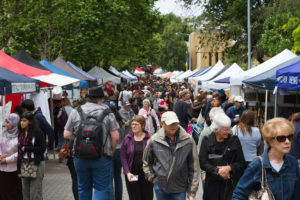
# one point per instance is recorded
(200, 119)
(264, 193)
(28, 170)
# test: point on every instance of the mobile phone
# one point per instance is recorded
(134, 178)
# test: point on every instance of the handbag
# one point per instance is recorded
(64, 151)
(200, 119)
(264, 193)
(28, 170)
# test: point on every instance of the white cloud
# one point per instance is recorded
(178, 8)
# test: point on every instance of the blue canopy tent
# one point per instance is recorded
(267, 80)
(13, 83)
(200, 72)
(82, 85)
(289, 76)
(223, 80)
(99, 79)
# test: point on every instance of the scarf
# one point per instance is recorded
(13, 119)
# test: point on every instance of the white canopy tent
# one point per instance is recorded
(121, 74)
(181, 77)
(236, 80)
(176, 74)
(285, 55)
(57, 79)
(137, 72)
(232, 70)
(210, 74)
(127, 73)
(158, 71)
(97, 71)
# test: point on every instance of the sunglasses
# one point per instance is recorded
(282, 138)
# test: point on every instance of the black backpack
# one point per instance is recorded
(89, 140)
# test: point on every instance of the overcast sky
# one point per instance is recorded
(177, 7)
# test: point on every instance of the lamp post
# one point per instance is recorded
(190, 49)
(249, 35)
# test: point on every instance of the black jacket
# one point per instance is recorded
(231, 153)
(38, 148)
(45, 126)
(181, 110)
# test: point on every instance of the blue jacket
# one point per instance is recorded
(285, 184)
(232, 111)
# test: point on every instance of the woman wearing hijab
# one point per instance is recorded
(10, 183)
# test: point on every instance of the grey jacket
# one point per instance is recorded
(174, 173)
(124, 130)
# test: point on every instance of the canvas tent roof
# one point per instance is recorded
(233, 69)
(267, 80)
(97, 71)
(289, 76)
(24, 57)
(217, 69)
(84, 73)
(60, 63)
(120, 74)
(54, 69)
(282, 57)
(181, 77)
(198, 73)
(129, 74)
(45, 76)
(13, 83)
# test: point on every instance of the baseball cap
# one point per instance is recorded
(239, 99)
(169, 118)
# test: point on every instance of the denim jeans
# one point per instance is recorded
(61, 139)
(93, 174)
(116, 188)
(162, 195)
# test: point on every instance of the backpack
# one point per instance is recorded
(89, 141)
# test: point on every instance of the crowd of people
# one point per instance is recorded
(165, 138)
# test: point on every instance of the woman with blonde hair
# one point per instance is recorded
(138, 187)
(282, 171)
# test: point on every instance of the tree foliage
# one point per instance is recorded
(87, 32)
(268, 37)
(174, 50)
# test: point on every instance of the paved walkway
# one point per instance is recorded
(57, 182)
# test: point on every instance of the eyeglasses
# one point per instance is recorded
(282, 138)
(135, 124)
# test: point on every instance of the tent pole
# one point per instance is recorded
(52, 118)
(266, 106)
(275, 104)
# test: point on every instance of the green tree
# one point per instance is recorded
(174, 50)
(281, 21)
(87, 32)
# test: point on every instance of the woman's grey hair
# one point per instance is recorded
(214, 111)
(146, 101)
(221, 120)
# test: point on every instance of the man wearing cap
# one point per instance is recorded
(126, 113)
(94, 174)
(235, 111)
(181, 109)
(170, 161)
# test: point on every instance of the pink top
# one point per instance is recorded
(149, 123)
(9, 150)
